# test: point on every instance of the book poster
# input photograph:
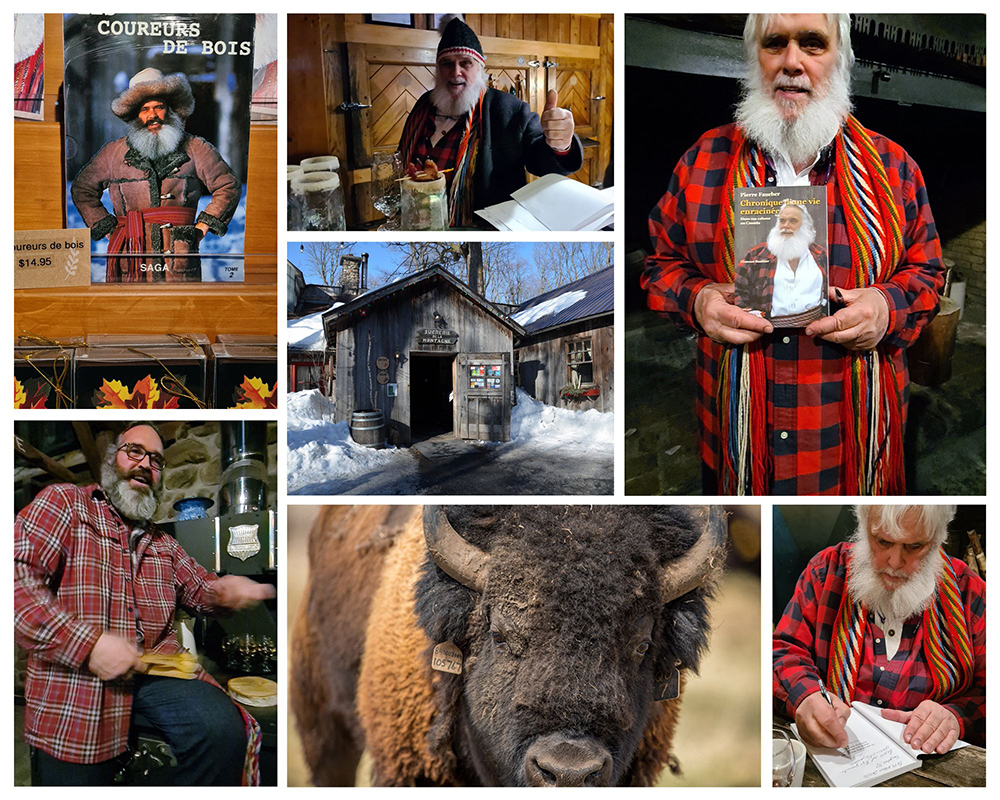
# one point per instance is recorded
(157, 110)
(264, 107)
(781, 252)
(29, 66)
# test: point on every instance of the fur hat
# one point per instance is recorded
(457, 38)
(174, 90)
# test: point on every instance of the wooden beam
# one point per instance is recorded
(89, 447)
(39, 458)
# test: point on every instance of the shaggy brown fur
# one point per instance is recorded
(340, 650)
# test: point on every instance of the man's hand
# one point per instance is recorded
(236, 592)
(822, 726)
(113, 657)
(557, 123)
(723, 320)
(860, 325)
(201, 226)
(929, 727)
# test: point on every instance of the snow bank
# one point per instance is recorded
(322, 457)
(532, 421)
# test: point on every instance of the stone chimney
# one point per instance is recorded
(350, 274)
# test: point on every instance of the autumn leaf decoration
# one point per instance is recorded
(33, 394)
(254, 393)
(146, 394)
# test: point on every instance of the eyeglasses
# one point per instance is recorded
(136, 453)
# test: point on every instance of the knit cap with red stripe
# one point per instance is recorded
(458, 39)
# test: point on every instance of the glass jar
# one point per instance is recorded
(292, 209)
(425, 205)
(319, 201)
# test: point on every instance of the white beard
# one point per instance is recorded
(154, 145)
(794, 246)
(444, 103)
(138, 505)
(29, 30)
(265, 40)
(910, 598)
(800, 139)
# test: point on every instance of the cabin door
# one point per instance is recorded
(483, 396)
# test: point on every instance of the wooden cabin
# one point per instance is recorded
(367, 73)
(430, 353)
(566, 356)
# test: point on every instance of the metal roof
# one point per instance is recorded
(599, 298)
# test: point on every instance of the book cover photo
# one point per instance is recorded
(157, 121)
(29, 66)
(781, 251)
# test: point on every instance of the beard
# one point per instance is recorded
(759, 114)
(788, 247)
(154, 145)
(449, 105)
(138, 505)
(911, 597)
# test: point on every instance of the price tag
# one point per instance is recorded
(447, 658)
(46, 259)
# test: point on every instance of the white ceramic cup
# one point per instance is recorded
(799, 750)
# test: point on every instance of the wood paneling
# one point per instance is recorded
(543, 364)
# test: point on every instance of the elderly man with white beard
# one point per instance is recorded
(96, 585)
(488, 138)
(887, 619)
(154, 176)
(820, 409)
(782, 278)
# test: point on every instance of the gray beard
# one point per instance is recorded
(154, 145)
(795, 246)
(459, 106)
(913, 597)
(133, 504)
(800, 139)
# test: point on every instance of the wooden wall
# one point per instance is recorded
(390, 325)
(39, 194)
(543, 364)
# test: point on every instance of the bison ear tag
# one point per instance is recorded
(447, 658)
(668, 687)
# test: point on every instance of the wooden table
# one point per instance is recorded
(965, 767)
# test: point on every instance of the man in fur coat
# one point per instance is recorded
(155, 175)
(487, 137)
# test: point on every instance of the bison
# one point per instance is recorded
(568, 625)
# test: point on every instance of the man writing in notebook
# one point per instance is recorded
(887, 619)
(775, 410)
(96, 585)
(485, 137)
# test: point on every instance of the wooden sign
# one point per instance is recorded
(47, 259)
(382, 377)
(382, 362)
(434, 339)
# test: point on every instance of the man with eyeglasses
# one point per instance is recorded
(96, 584)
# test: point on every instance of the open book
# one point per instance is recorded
(875, 751)
(553, 203)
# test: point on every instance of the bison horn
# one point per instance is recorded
(696, 566)
(463, 561)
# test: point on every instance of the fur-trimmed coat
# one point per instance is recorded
(175, 180)
(361, 675)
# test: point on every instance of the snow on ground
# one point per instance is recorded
(323, 459)
(548, 445)
(551, 306)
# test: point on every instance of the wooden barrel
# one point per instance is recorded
(368, 428)
(929, 358)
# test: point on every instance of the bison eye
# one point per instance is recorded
(498, 638)
(642, 649)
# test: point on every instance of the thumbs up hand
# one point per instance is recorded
(557, 123)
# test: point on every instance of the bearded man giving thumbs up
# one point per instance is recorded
(486, 137)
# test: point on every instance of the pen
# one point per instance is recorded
(826, 697)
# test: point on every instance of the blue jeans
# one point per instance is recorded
(200, 723)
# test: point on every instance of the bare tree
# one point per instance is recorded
(323, 258)
(559, 263)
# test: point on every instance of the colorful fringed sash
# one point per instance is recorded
(872, 419)
(946, 642)
(460, 193)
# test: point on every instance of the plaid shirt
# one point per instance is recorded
(445, 153)
(801, 647)
(74, 580)
(804, 374)
(754, 283)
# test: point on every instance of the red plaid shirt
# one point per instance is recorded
(754, 282)
(804, 374)
(445, 153)
(801, 647)
(73, 580)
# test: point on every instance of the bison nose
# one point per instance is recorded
(558, 761)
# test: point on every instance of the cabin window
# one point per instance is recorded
(581, 362)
